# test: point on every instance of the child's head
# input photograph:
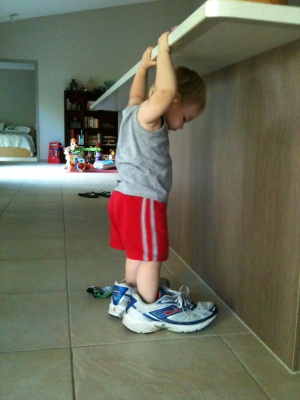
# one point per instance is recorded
(190, 100)
(191, 87)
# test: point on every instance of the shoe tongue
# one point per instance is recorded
(160, 293)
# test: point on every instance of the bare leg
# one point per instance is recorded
(148, 280)
(145, 275)
(131, 269)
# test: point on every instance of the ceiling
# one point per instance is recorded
(14, 10)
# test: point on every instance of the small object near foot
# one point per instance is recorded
(94, 195)
(100, 291)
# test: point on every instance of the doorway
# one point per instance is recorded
(18, 100)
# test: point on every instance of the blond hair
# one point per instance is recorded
(190, 86)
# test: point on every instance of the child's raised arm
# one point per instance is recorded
(138, 91)
(154, 108)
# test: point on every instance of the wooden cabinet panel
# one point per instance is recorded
(235, 203)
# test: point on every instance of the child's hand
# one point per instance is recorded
(163, 43)
(146, 62)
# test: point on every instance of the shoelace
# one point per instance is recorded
(181, 297)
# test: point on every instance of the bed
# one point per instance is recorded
(16, 141)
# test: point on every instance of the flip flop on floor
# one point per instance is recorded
(94, 195)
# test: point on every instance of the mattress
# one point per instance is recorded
(17, 139)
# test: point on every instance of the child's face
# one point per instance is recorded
(179, 114)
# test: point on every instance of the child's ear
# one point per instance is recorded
(176, 99)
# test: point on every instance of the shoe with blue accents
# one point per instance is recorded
(121, 295)
(120, 298)
(171, 311)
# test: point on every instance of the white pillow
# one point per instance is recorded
(10, 128)
(18, 129)
(22, 129)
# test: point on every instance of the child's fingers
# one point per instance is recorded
(164, 37)
(164, 34)
(147, 54)
(163, 41)
(147, 57)
(149, 50)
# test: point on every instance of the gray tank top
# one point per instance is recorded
(142, 159)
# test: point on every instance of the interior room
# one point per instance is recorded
(233, 211)
(18, 109)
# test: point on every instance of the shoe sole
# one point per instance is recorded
(140, 326)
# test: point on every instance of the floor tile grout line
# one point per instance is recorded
(34, 350)
(32, 293)
(247, 369)
(251, 332)
(68, 303)
(183, 337)
(14, 195)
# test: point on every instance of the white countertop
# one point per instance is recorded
(218, 34)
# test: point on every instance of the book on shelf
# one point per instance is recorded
(109, 140)
(91, 122)
(92, 140)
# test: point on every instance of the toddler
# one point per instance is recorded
(138, 205)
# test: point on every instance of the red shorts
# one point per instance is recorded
(138, 226)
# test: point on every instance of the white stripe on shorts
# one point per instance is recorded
(145, 233)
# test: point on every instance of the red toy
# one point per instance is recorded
(55, 153)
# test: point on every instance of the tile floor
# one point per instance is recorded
(58, 343)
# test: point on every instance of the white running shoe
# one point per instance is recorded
(120, 298)
(168, 312)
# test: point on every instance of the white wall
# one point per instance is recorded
(102, 44)
(18, 96)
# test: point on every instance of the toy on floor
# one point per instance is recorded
(105, 164)
(90, 157)
(98, 156)
(112, 155)
(100, 291)
(73, 145)
(82, 165)
(71, 154)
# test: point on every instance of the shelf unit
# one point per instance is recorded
(87, 126)
(216, 35)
